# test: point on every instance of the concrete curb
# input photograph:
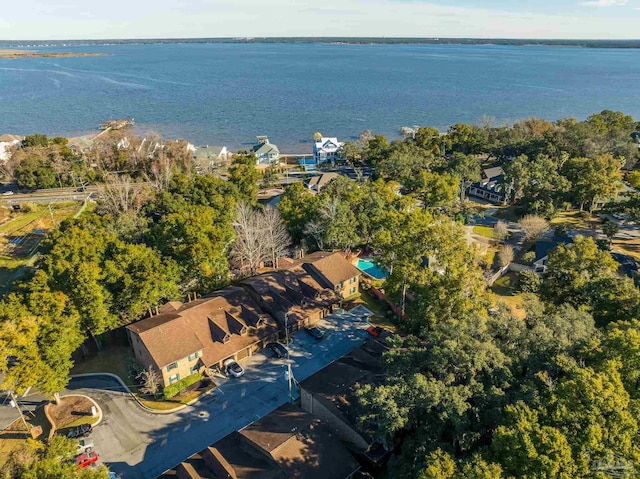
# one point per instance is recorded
(52, 422)
(135, 398)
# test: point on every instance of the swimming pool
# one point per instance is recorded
(371, 268)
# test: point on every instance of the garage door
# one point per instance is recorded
(243, 354)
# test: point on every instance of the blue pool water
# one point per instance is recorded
(372, 269)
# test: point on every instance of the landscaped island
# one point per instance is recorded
(11, 54)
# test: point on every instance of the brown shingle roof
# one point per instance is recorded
(301, 444)
(212, 324)
(332, 267)
(7, 138)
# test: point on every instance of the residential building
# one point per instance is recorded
(186, 338)
(543, 248)
(7, 143)
(490, 187)
(267, 153)
(327, 150)
(209, 158)
(317, 182)
(331, 395)
(332, 270)
(287, 443)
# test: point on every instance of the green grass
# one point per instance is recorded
(379, 309)
(503, 291)
(114, 359)
(506, 213)
(490, 257)
(575, 219)
(485, 231)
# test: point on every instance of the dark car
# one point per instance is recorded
(315, 332)
(83, 430)
(278, 349)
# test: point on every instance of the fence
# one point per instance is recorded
(381, 296)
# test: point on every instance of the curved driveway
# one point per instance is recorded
(141, 444)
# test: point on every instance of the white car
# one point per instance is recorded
(232, 368)
(8, 193)
(84, 445)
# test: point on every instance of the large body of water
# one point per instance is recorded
(228, 93)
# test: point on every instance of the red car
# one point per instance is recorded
(374, 331)
(85, 459)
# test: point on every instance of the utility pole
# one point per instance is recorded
(53, 221)
(290, 379)
(14, 403)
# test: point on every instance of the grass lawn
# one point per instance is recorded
(14, 437)
(485, 231)
(21, 234)
(377, 307)
(118, 360)
(503, 291)
(575, 220)
(506, 213)
(114, 359)
(630, 247)
(72, 411)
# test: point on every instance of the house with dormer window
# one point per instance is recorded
(327, 150)
(185, 338)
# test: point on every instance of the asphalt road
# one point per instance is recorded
(140, 444)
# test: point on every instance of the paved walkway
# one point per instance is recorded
(140, 444)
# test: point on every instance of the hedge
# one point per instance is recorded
(175, 388)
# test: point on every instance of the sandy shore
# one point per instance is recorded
(36, 54)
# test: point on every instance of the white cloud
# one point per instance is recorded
(257, 18)
(606, 3)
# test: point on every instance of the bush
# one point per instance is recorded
(529, 282)
(28, 207)
(175, 388)
(528, 258)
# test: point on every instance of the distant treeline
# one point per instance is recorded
(336, 40)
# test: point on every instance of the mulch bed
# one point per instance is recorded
(70, 410)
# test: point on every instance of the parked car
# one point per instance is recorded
(278, 349)
(232, 368)
(374, 331)
(8, 193)
(85, 459)
(84, 445)
(315, 332)
(83, 430)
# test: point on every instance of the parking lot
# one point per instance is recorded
(140, 444)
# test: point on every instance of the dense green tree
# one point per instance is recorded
(35, 140)
(467, 139)
(244, 175)
(594, 179)
(298, 208)
(35, 171)
(41, 329)
(50, 460)
(376, 149)
(581, 274)
(433, 190)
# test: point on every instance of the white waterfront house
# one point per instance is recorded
(266, 152)
(6, 144)
(327, 150)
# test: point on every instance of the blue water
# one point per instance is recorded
(372, 269)
(229, 93)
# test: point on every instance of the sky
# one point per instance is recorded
(90, 19)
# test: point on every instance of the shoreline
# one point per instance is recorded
(14, 54)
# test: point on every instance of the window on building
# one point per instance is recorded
(172, 366)
(193, 369)
(353, 290)
(193, 356)
(353, 280)
(175, 378)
